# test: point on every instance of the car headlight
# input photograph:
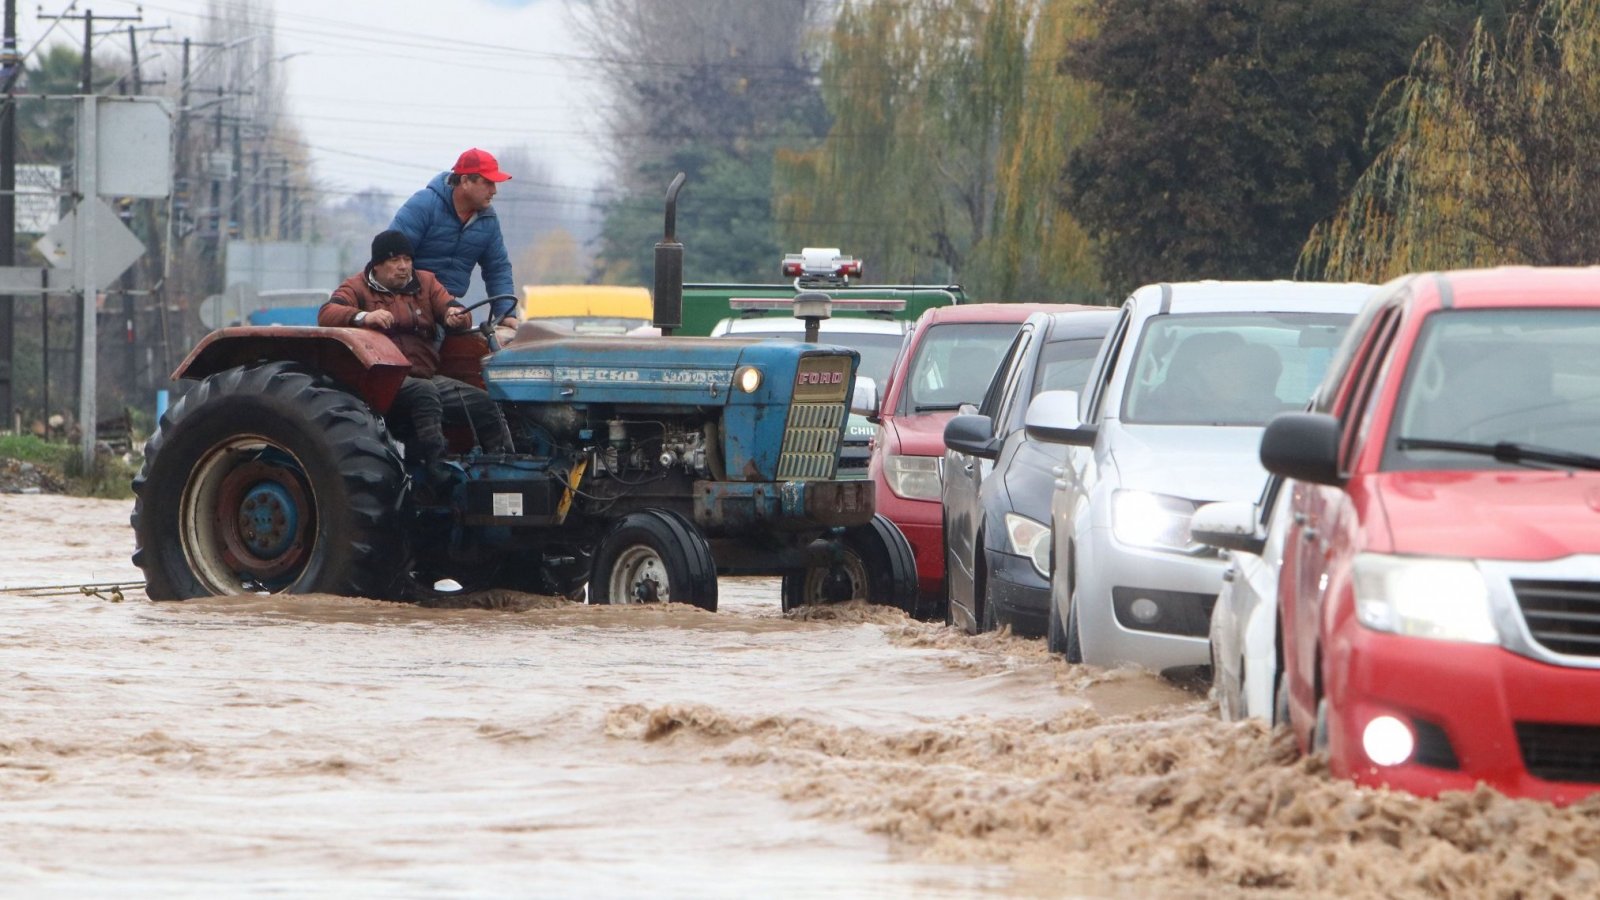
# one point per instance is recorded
(913, 477)
(1426, 597)
(1143, 519)
(748, 378)
(1031, 539)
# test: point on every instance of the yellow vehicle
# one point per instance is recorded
(587, 308)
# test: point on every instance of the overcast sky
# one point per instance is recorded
(388, 92)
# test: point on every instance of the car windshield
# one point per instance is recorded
(954, 364)
(1065, 365)
(877, 350)
(1228, 368)
(1516, 384)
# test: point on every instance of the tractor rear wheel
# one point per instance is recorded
(268, 479)
(654, 556)
(873, 562)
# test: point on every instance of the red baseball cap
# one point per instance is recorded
(479, 162)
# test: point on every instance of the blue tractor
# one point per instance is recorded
(643, 468)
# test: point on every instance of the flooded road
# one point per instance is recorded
(325, 746)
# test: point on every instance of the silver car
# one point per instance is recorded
(1171, 419)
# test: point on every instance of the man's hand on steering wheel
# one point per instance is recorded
(456, 318)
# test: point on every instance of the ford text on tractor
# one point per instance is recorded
(643, 468)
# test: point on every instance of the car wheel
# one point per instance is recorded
(1280, 702)
(1319, 731)
(980, 590)
(1055, 637)
(1074, 648)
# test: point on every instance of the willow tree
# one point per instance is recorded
(949, 120)
(1495, 157)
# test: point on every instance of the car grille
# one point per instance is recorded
(1560, 752)
(811, 441)
(1564, 616)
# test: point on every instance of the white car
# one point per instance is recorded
(1245, 657)
(1171, 420)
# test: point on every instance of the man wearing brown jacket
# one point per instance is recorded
(406, 304)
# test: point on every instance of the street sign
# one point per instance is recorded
(38, 198)
(115, 248)
(134, 152)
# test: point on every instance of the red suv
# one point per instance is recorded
(948, 359)
(1440, 592)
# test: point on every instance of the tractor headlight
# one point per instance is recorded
(1031, 539)
(748, 378)
(913, 477)
(1157, 521)
(1426, 597)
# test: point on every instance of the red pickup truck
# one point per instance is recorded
(1440, 592)
(948, 359)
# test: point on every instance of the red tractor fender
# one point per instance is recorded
(365, 362)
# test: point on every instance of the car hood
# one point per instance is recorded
(1500, 514)
(921, 435)
(1198, 463)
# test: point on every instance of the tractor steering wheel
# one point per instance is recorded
(487, 327)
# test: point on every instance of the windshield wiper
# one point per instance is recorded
(935, 407)
(1506, 451)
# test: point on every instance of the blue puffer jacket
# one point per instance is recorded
(449, 249)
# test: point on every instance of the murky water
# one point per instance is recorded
(324, 746)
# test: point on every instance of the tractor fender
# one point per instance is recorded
(364, 362)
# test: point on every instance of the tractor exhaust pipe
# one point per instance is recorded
(667, 305)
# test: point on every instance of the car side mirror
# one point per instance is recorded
(1230, 526)
(1304, 446)
(1052, 417)
(864, 402)
(972, 434)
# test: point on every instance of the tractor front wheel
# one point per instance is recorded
(871, 562)
(654, 556)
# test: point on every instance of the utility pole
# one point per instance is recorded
(84, 333)
(139, 216)
(10, 68)
(175, 278)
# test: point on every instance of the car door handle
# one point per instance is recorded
(1059, 471)
(1300, 518)
(1308, 534)
(968, 467)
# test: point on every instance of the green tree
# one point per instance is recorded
(712, 88)
(1495, 157)
(942, 163)
(1230, 127)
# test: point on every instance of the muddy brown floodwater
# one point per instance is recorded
(331, 746)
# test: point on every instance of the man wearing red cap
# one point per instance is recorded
(452, 227)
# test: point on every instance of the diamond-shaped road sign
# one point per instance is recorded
(116, 248)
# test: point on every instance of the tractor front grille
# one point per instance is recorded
(811, 441)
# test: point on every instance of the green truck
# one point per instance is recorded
(812, 269)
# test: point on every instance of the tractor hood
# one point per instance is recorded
(647, 371)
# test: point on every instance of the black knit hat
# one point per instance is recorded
(389, 244)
